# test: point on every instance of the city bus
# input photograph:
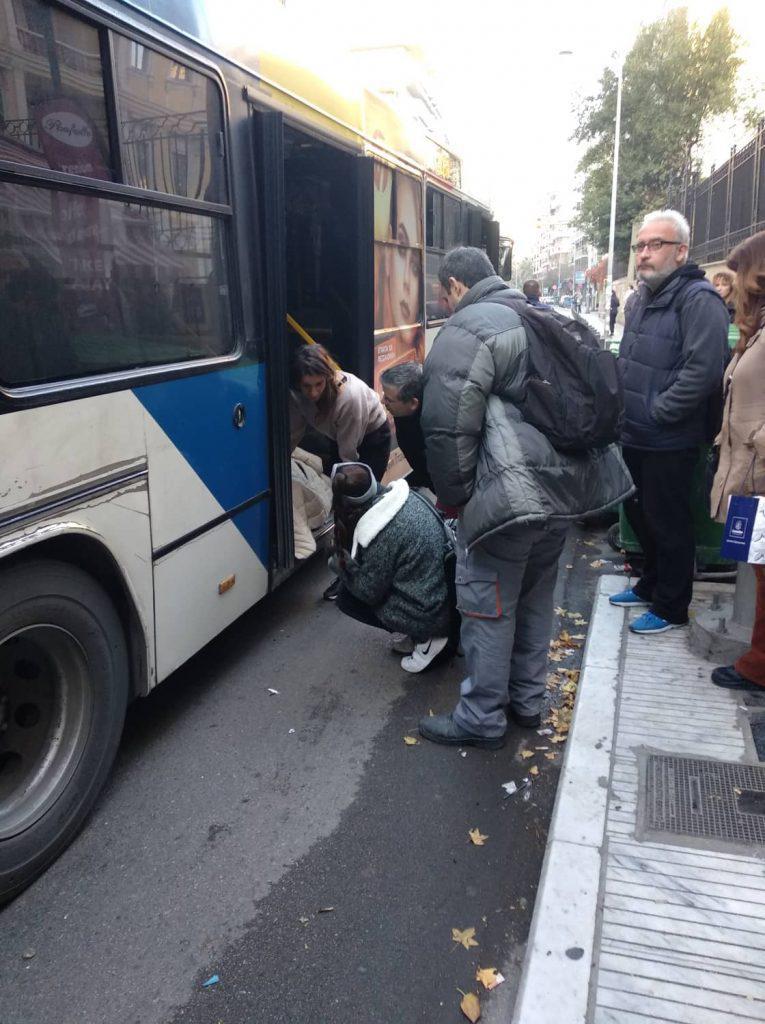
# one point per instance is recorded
(165, 205)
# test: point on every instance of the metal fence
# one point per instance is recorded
(729, 205)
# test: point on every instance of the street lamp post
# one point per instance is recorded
(614, 180)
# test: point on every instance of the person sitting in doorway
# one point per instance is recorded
(390, 558)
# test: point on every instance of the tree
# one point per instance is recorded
(522, 271)
(675, 78)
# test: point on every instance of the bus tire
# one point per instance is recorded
(63, 693)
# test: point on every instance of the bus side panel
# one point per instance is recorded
(78, 469)
(207, 447)
(205, 585)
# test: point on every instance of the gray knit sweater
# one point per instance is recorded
(397, 568)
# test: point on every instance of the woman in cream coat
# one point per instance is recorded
(742, 438)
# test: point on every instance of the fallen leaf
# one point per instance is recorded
(525, 754)
(737, 791)
(509, 788)
(579, 636)
(533, 770)
(569, 567)
(589, 543)
(489, 977)
(272, 691)
(465, 938)
(557, 739)
(303, 920)
(550, 757)
(326, 910)
(598, 563)
(411, 741)
(476, 838)
(561, 611)
(470, 1006)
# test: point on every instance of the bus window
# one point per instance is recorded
(170, 119)
(452, 218)
(55, 114)
(93, 285)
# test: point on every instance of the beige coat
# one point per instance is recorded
(742, 438)
(356, 412)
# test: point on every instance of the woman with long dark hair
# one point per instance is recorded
(340, 406)
(742, 438)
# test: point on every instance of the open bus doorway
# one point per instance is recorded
(328, 243)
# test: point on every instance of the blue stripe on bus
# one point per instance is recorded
(196, 413)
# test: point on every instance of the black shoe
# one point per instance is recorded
(727, 676)
(330, 594)
(443, 729)
(525, 721)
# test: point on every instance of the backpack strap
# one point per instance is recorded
(448, 533)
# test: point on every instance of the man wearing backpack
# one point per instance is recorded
(514, 491)
(671, 357)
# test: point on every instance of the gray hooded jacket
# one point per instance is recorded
(482, 456)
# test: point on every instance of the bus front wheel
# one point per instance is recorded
(63, 692)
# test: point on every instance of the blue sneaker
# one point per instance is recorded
(628, 599)
(648, 624)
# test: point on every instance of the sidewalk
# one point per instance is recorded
(650, 909)
(595, 320)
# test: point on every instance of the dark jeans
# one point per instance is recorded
(374, 450)
(661, 516)
(355, 609)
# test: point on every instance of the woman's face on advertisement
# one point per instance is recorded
(404, 282)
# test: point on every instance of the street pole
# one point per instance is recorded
(614, 179)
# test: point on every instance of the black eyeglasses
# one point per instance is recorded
(653, 244)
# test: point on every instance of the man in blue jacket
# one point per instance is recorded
(672, 357)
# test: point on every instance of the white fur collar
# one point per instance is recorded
(379, 515)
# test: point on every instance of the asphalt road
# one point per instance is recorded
(291, 844)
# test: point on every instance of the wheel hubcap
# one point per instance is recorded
(45, 714)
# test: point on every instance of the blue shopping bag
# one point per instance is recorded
(744, 532)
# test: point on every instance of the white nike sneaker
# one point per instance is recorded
(424, 653)
(401, 643)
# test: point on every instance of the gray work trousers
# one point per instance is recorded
(505, 590)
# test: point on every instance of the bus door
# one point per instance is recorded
(315, 224)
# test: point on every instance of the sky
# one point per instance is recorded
(507, 95)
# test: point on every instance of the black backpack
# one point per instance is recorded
(575, 395)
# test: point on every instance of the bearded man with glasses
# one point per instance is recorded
(671, 357)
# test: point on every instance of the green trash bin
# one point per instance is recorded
(708, 532)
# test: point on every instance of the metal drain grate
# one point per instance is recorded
(704, 799)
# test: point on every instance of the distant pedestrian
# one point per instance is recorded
(402, 397)
(612, 311)
(514, 493)
(532, 290)
(672, 357)
(723, 282)
(742, 439)
(630, 303)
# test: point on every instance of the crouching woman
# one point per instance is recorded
(390, 556)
